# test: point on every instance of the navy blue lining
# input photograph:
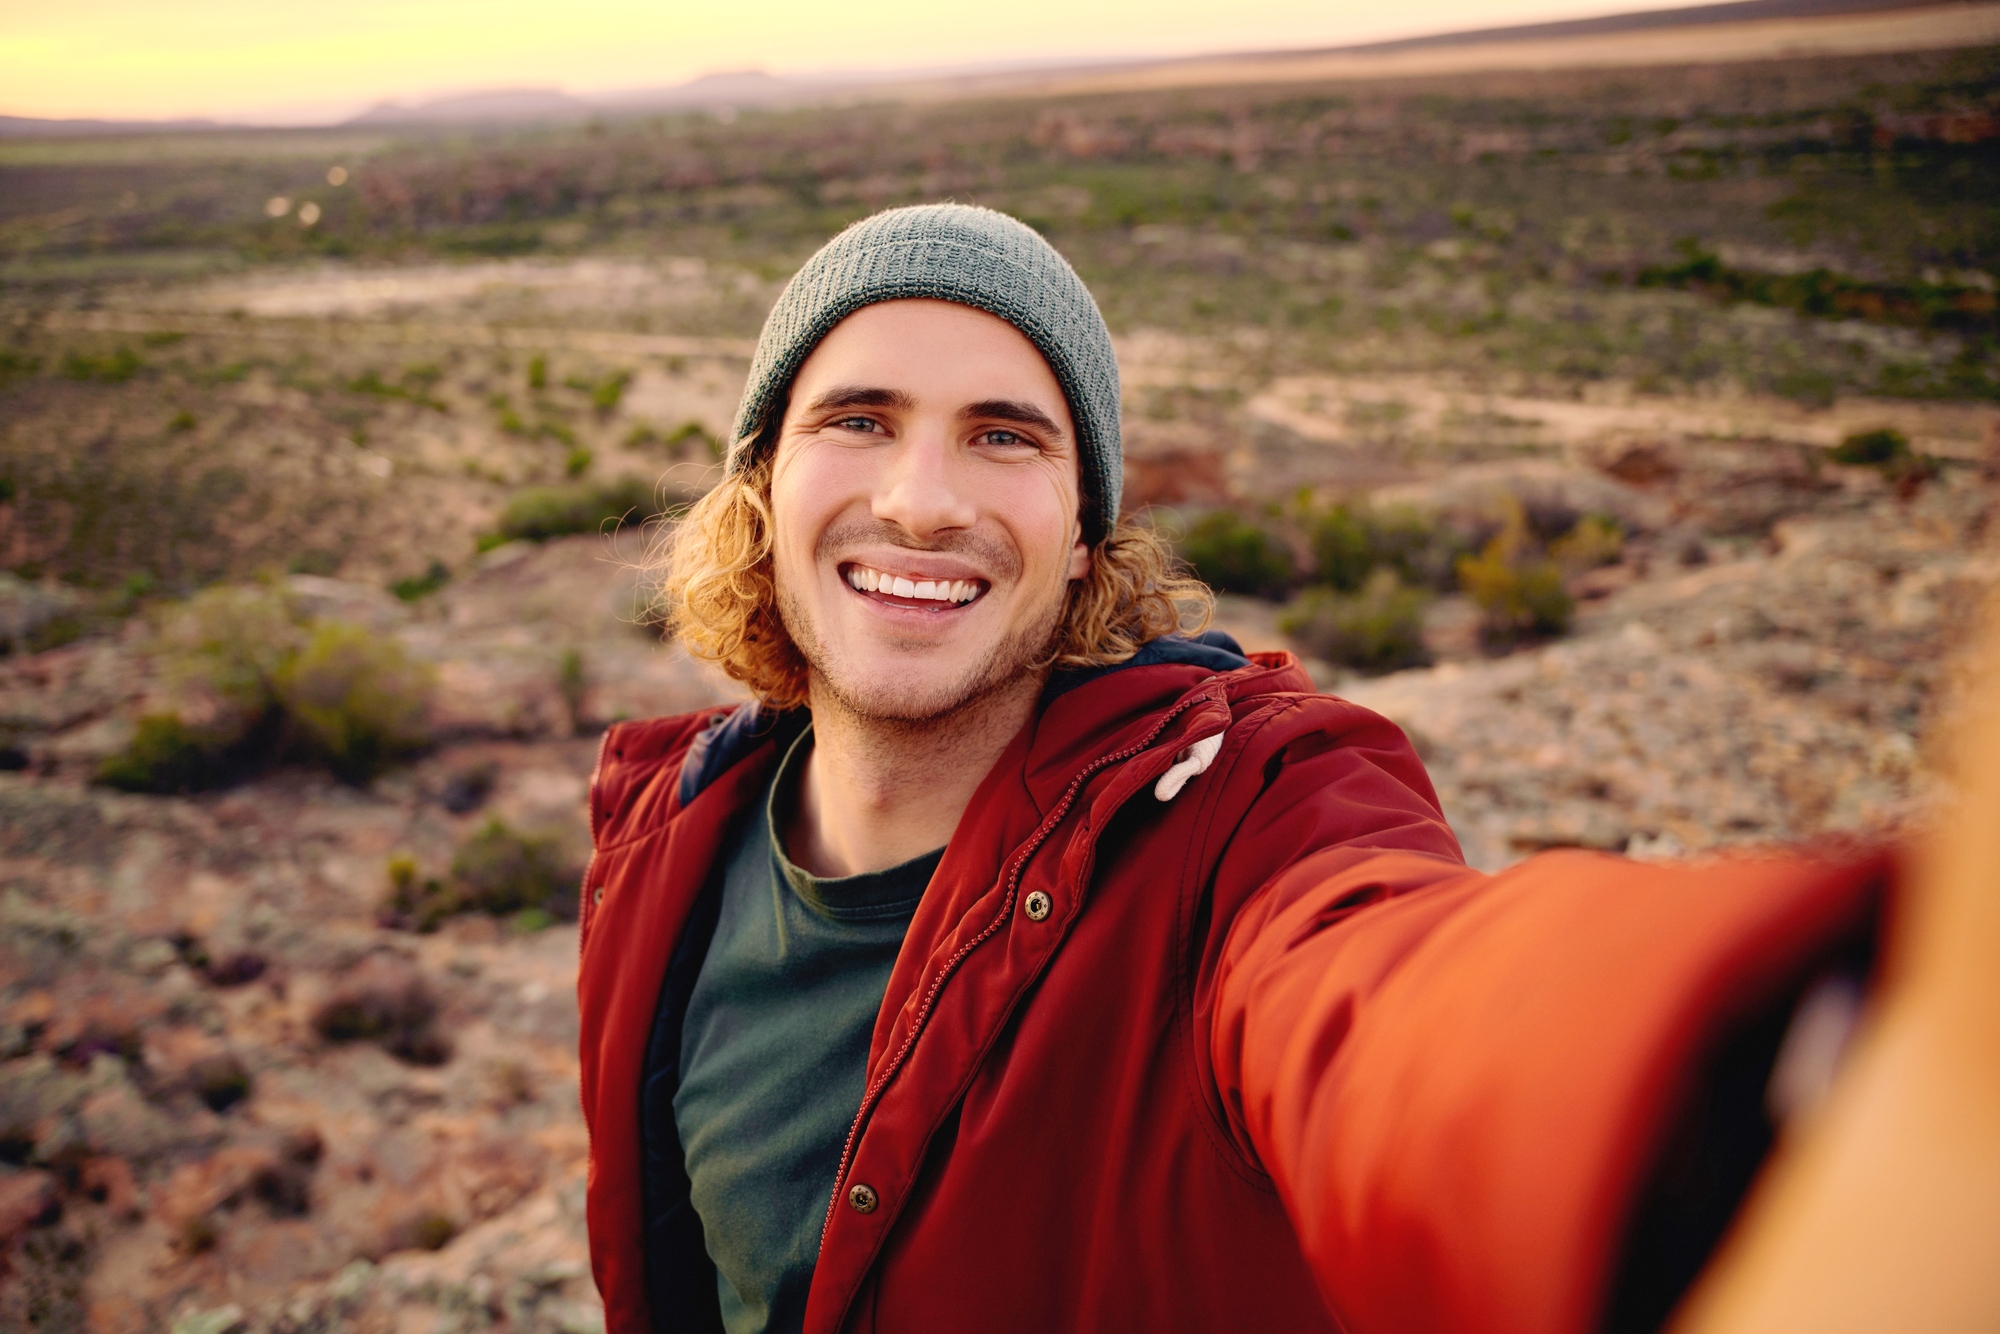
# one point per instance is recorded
(1211, 649)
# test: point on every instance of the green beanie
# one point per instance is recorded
(975, 257)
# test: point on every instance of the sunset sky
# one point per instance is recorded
(254, 60)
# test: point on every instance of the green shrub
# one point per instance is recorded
(572, 685)
(422, 586)
(1594, 541)
(538, 513)
(538, 371)
(1233, 555)
(694, 430)
(500, 870)
(116, 368)
(256, 682)
(1377, 629)
(1881, 447)
(356, 700)
(1518, 594)
(1888, 452)
(578, 463)
(605, 395)
(225, 647)
(1343, 549)
(1348, 543)
(167, 756)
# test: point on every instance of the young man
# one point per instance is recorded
(1015, 962)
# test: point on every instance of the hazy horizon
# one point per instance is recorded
(235, 62)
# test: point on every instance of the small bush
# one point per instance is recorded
(1888, 452)
(605, 395)
(538, 513)
(356, 699)
(694, 430)
(1877, 448)
(219, 1081)
(538, 371)
(258, 683)
(578, 462)
(1516, 596)
(1593, 542)
(500, 871)
(116, 368)
(414, 903)
(422, 586)
(1343, 549)
(168, 757)
(571, 684)
(1233, 555)
(1377, 629)
(387, 1004)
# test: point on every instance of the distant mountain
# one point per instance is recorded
(502, 105)
(1692, 16)
(30, 127)
(738, 88)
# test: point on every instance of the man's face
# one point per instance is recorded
(924, 509)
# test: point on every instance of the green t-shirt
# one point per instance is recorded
(774, 1054)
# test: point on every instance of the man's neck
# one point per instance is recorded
(876, 792)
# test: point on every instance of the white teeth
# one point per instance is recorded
(865, 580)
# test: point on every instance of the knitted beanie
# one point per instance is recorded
(975, 257)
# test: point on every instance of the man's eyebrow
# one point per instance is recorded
(860, 396)
(1009, 410)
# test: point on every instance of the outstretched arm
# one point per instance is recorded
(1461, 1083)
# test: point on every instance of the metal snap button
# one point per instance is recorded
(597, 896)
(1037, 905)
(862, 1199)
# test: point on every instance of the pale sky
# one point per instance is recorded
(297, 63)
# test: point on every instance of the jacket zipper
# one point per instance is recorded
(1040, 836)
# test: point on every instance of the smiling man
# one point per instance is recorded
(1019, 960)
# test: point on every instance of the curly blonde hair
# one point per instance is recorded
(712, 586)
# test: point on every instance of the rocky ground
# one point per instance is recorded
(190, 1140)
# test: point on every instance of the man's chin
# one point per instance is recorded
(896, 694)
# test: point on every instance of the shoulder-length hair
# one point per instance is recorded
(712, 587)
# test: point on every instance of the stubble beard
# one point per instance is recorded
(1017, 661)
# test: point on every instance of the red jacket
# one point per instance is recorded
(1274, 1058)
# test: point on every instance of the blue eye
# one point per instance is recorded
(857, 423)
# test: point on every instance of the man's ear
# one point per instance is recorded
(1079, 560)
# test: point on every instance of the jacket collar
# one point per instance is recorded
(732, 736)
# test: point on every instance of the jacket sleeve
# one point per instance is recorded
(1458, 1082)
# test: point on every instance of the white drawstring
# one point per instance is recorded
(1191, 761)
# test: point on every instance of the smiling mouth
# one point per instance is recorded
(901, 590)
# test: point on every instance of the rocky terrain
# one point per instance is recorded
(260, 1070)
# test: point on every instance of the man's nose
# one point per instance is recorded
(923, 490)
